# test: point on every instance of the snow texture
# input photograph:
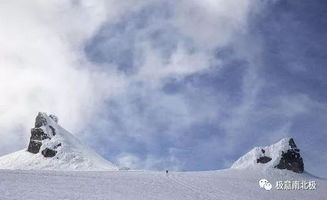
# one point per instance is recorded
(231, 184)
(71, 154)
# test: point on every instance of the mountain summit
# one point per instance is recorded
(51, 147)
(281, 155)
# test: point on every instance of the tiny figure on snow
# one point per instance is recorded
(166, 171)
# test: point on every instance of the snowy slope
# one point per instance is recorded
(231, 184)
(71, 154)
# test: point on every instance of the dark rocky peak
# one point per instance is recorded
(43, 132)
(40, 120)
(51, 147)
(282, 155)
(291, 159)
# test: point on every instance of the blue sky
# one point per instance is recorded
(173, 85)
(288, 88)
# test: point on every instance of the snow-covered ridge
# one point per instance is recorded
(281, 155)
(51, 147)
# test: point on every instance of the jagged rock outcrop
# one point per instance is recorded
(291, 159)
(51, 147)
(42, 131)
(282, 155)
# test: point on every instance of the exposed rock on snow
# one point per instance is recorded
(49, 152)
(54, 118)
(42, 131)
(263, 159)
(282, 155)
(291, 159)
(38, 133)
(53, 148)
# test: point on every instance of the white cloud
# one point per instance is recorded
(213, 22)
(43, 66)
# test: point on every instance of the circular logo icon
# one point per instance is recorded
(264, 183)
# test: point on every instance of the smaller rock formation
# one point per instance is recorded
(54, 118)
(263, 159)
(34, 146)
(49, 152)
(282, 155)
(291, 159)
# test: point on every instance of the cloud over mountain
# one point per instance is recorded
(160, 82)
